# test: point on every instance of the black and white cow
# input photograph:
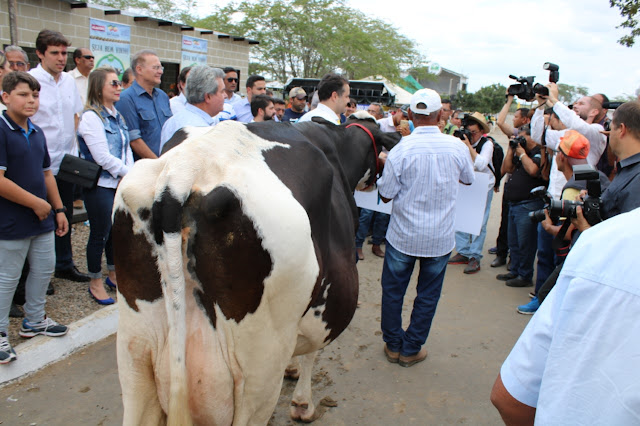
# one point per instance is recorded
(235, 251)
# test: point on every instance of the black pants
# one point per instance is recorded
(64, 255)
(502, 242)
(549, 283)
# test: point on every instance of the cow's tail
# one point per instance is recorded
(167, 218)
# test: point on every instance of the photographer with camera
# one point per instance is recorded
(623, 195)
(468, 246)
(520, 118)
(523, 162)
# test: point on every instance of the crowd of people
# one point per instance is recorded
(112, 122)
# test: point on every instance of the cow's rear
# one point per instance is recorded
(214, 258)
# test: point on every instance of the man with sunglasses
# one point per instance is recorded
(84, 61)
(298, 99)
(231, 85)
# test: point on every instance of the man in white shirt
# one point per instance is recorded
(575, 361)
(468, 246)
(59, 104)
(231, 84)
(333, 96)
(204, 92)
(84, 60)
(422, 175)
(179, 102)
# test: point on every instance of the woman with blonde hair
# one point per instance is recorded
(104, 139)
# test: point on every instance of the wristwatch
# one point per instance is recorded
(62, 210)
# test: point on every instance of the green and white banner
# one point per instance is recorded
(194, 51)
(110, 44)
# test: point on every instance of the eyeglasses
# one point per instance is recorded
(231, 79)
(301, 97)
(115, 83)
(157, 68)
(88, 57)
(17, 64)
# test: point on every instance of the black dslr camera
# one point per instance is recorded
(564, 208)
(462, 131)
(520, 140)
(554, 76)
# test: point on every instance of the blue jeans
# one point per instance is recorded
(39, 249)
(99, 203)
(523, 237)
(396, 273)
(470, 245)
(380, 225)
(546, 257)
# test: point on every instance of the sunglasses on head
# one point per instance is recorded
(231, 79)
(89, 57)
(116, 83)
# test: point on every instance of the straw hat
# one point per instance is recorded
(481, 121)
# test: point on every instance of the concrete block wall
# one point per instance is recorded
(35, 15)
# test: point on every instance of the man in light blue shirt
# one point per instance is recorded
(256, 85)
(422, 175)
(205, 98)
(576, 361)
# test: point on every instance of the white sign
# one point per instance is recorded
(470, 204)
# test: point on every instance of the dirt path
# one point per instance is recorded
(473, 331)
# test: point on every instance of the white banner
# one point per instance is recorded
(470, 204)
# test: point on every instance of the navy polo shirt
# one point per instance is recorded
(144, 114)
(623, 195)
(24, 158)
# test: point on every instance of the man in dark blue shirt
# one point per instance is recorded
(623, 195)
(144, 107)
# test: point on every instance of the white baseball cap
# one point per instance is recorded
(425, 101)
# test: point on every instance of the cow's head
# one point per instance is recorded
(363, 126)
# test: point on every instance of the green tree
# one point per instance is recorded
(630, 12)
(175, 10)
(487, 99)
(568, 94)
(308, 38)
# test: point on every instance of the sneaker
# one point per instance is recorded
(47, 327)
(458, 259)
(530, 308)
(7, 354)
(493, 250)
(473, 266)
(531, 295)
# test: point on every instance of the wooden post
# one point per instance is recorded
(13, 22)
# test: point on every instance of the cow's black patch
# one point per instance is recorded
(144, 213)
(167, 216)
(226, 255)
(136, 267)
(175, 140)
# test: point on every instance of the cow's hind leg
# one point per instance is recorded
(302, 408)
(139, 391)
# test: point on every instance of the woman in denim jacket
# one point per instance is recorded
(104, 139)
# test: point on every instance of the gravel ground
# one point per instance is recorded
(71, 300)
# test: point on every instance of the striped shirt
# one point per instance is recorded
(422, 175)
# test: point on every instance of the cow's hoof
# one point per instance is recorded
(291, 373)
(303, 412)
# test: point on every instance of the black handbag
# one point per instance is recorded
(79, 172)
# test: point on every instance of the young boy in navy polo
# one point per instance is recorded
(31, 211)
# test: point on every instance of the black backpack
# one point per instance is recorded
(496, 159)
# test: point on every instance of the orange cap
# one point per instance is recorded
(573, 144)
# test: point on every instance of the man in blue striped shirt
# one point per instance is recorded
(421, 176)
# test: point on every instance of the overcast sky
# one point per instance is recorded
(489, 39)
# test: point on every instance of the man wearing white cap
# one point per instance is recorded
(421, 176)
(298, 99)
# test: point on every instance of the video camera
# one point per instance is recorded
(564, 208)
(526, 90)
(462, 131)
